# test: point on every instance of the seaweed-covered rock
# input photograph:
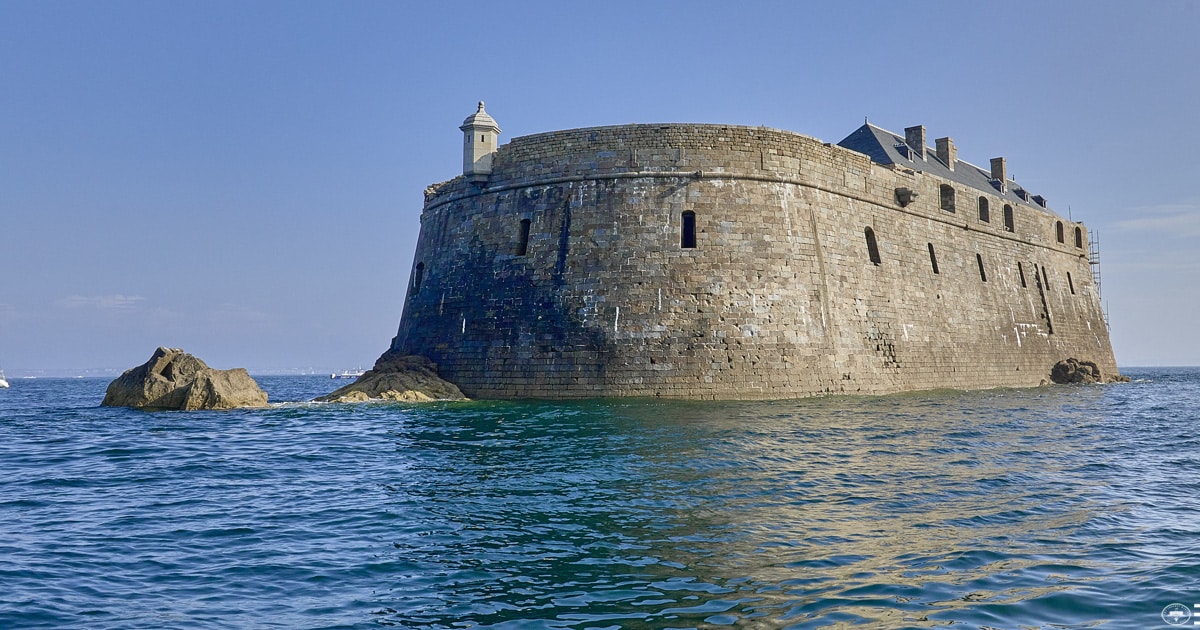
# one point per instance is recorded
(1073, 370)
(399, 377)
(174, 379)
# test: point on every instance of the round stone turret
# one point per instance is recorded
(480, 137)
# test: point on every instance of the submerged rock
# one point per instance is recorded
(174, 379)
(1073, 370)
(399, 377)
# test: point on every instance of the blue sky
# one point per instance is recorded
(244, 179)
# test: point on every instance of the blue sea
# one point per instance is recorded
(1053, 507)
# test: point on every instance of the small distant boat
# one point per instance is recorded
(347, 374)
(3, 381)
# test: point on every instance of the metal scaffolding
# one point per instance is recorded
(1094, 261)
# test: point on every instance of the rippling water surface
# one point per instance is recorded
(1063, 507)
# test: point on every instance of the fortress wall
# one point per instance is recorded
(778, 299)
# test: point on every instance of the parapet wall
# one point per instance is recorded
(563, 274)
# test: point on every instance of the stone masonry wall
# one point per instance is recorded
(779, 298)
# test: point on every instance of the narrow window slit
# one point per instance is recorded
(687, 230)
(933, 259)
(872, 246)
(523, 238)
(418, 273)
(982, 273)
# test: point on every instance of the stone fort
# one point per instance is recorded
(730, 262)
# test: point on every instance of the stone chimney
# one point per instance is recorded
(1000, 172)
(480, 135)
(914, 137)
(946, 152)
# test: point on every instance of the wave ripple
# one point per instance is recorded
(1044, 508)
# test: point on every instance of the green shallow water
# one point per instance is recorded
(1065, 507)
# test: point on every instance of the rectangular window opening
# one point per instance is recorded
(982, 273)
(687, 230)
(933, 259)
(947, 197)
(523, 238)
(1021, 272)
(1070, 283)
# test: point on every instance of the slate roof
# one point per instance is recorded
(885, 147)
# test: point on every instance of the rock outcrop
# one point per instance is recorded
(398, 377)
(174, 379)
(1073, 370)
